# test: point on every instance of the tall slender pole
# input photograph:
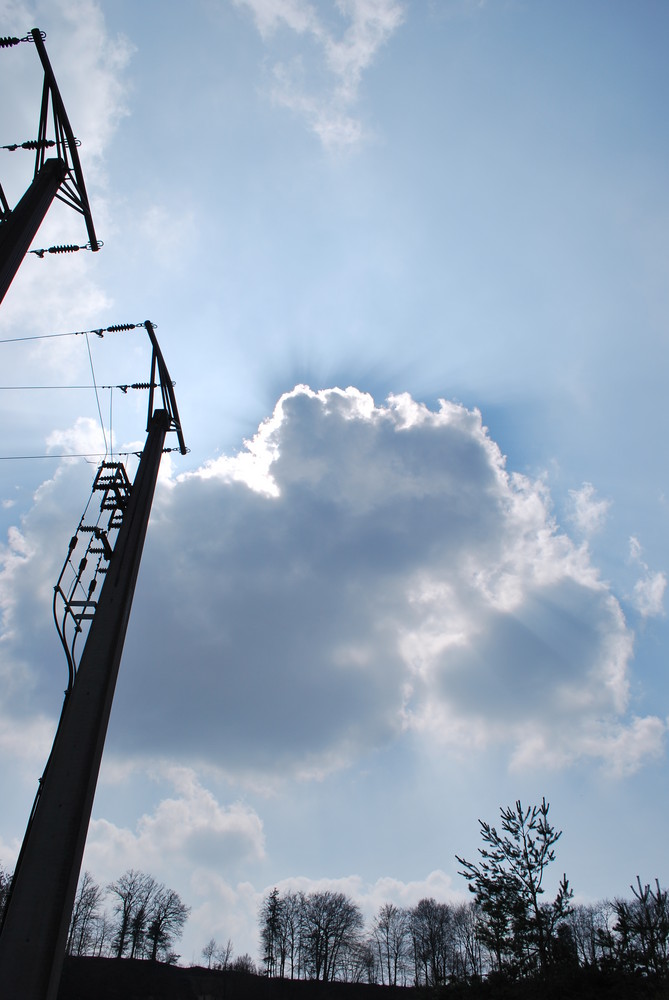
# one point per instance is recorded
(18, 231)
(36, 922)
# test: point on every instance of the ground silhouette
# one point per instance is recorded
(135, 979)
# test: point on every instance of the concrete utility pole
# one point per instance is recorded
(36, 921)
(57, 177)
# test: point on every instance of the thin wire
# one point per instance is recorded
(39, 336)
(111, 425)
(48, 388)
(97, 397)
(68, 454)
(76, 454)
(117, 328)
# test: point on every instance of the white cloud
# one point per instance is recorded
(357, 570)
(623, 749)
(230, 911)
(588, 513)
(370, 896)
(648, 594)
(190, 827)
(326, 100)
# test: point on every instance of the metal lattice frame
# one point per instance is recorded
(73, 189)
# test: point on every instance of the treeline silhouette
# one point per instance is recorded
(507, 933)
(132, 917)
(436, 944)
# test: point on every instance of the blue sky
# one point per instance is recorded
(365, 617)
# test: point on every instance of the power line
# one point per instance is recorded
(124, 386)
(116, 328)
(82, 454)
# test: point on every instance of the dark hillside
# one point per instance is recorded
(129, 979)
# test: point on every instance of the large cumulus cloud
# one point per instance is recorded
(356, 571)
(359, 569)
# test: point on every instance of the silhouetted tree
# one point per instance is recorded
(149, 916)
(292, 930)
(130, 890)
(85, 915)
(588, 924)
(639, 938)
(468, 961)
(244, 963)
(223, 956)
(331, 925)
(217, 956)
(432, 935)
(391, 938)
(517, 927)
(209, 951)
(358, 963)
(166, 919)
(273, 940)
(5, 885)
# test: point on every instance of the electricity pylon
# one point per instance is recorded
(57, 177)
(37, 916)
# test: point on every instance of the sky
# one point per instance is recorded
(408, 264)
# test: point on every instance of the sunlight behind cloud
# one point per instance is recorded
(379, 559)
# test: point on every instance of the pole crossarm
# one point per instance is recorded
(59, 176)
(73, 189)
(166, 387)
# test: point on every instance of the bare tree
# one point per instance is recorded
(282, 920)
(433, 942)
(224, 955)
(292, 929)
(103, 935)
(589, 924)
(5, 886)
(166, 918)
(359, 963)
(332, 924)
(468, 961)
(392, 941)
(209, 951)
(132, 890)
(85, 915)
